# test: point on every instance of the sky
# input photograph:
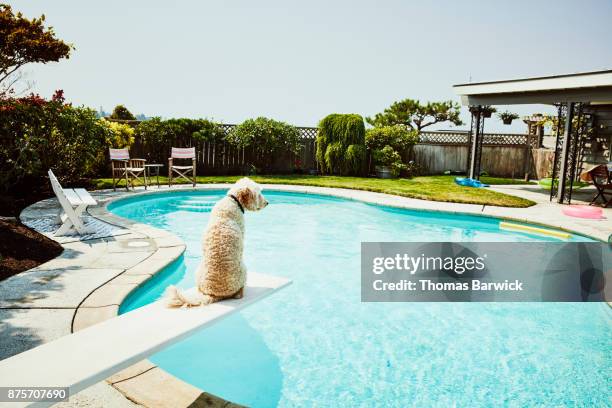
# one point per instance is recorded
(299, 61)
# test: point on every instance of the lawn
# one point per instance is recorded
(434, 188)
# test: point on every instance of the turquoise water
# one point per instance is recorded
(315, 344)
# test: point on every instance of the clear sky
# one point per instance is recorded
(299, 61)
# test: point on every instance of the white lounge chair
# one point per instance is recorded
(74, 202)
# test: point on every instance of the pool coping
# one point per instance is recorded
(147, 384)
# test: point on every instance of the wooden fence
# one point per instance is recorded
(503, 155)
(220, 158)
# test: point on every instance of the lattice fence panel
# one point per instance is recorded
(308, 132)
(461, 138)
(443, 138)
(505, 139)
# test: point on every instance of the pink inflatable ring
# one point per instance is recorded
(583, 211)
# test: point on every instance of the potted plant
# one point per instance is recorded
(388, 163)
(507, 117)
(384, 144)
(485, 110)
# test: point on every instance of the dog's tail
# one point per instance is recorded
(176, 298)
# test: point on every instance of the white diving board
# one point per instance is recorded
(86, 357)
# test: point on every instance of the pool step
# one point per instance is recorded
(194, 208)
(194, 205)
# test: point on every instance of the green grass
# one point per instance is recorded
(433, 188)
(499, 181)
(575, 184)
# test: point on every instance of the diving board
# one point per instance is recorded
(86, 357)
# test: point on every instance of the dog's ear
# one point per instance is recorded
(245, 181)
(246, 197)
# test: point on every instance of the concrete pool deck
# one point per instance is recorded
(87, 283)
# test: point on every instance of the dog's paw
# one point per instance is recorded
(239, 294)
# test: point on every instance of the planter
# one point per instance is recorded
(507, 121)
(485, 112)
(385, 172)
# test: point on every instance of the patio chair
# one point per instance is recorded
(124, 167)
(73, 202)
(601, 180)
(182, 171)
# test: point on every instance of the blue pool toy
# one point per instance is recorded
(469, 182)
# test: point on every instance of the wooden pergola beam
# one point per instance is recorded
(579, 87)
(548, 97)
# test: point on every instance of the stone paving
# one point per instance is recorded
(89, 280)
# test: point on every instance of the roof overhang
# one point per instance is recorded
(594, 87)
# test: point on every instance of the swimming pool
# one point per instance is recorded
(315, 343)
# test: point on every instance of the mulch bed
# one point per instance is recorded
(22, 248)
(13, 201)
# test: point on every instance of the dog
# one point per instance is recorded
(222, 273)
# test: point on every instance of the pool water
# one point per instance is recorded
(315, 344)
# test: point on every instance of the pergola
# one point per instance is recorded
(584, 111)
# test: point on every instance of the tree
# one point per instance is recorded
(24, 41)
(122, 113)
(417, 116)
(341, 144)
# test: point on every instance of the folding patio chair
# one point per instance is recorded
(124, 167)
(601, 180)
(73, 203)
(182, 171)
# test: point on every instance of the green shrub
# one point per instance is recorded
(76, 142)
(334, 155)
(387, 156)
(386, 142)
(354, 158)
(208, 131)
(37, 135)
(158, 136)
(121, 113)
(120, 135)
(338, 132)
(156, 130)
(200, 129)
(266, 137)
(398, 137)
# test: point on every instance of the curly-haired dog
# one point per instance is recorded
(222, 274)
